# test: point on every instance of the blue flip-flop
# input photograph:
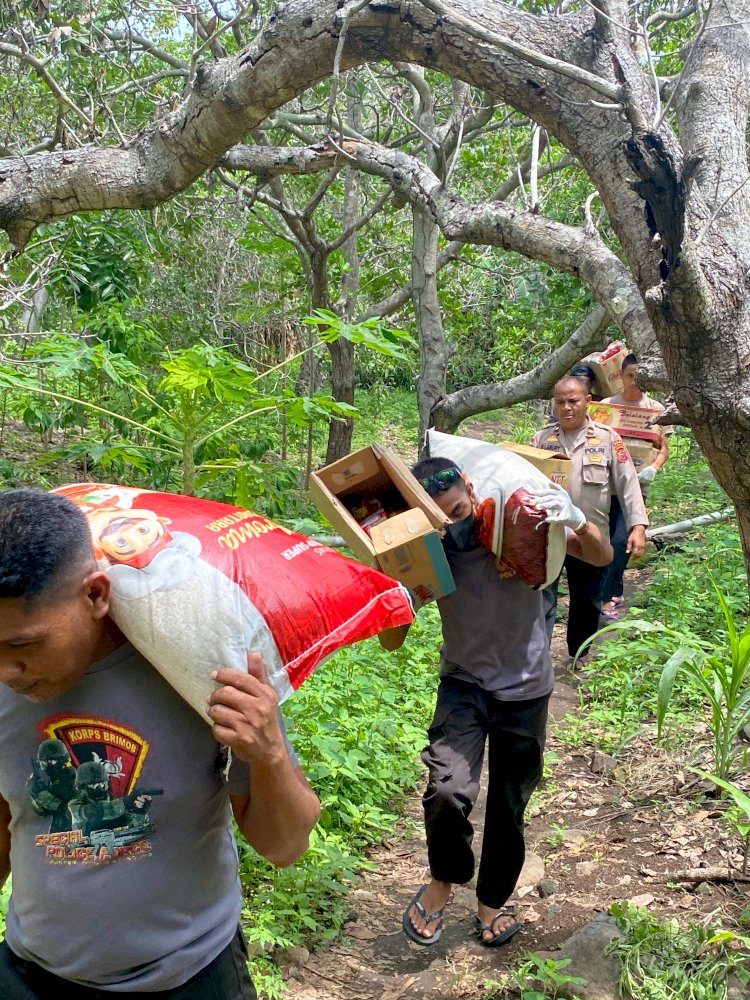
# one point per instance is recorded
(409, 928)
(501, 936)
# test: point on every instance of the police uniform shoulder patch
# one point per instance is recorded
(620, 450)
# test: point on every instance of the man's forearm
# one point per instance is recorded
(393, 638)
(280, 813)
(591, 546)
(662, 455)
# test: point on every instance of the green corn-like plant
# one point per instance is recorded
(722, 674)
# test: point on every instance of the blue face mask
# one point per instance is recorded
(460, 534)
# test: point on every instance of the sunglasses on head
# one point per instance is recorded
(440, 482)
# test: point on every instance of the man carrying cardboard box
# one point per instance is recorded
(599, 467)
(496, 679)
(613, 596)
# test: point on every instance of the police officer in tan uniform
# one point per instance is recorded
(599, 467)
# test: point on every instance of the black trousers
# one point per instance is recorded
(226, 978)
(614, 578)
(466, 718)
(585, 588)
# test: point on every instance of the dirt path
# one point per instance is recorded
(594, 838)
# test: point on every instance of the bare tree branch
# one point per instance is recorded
(41, 70)
(230, 98)
(134, 38)
(533, 56)
(566, 248)
(450, 411)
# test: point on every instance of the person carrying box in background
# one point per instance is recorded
(613, 596)
(116, 892)
(495, 682)
(600, 466)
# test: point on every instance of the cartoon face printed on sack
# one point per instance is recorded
(132, 537)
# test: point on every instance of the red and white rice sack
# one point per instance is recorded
(512, 527)
(197, 585)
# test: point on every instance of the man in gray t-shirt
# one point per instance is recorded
(116, 798)
(495, 681)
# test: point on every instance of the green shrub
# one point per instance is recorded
(357, 727)
(662, 960)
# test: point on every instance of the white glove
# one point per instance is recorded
(647, 474)
(560, 509)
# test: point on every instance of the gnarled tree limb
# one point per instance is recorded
(448, 413)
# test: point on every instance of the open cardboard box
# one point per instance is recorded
(554, 465)
(608, 371)
(628, 421)
(407, 545)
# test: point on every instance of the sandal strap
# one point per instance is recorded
(504, 911)
(428, 917)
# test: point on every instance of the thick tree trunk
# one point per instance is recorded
(743, 521)
(342, 351)
(434, 353)
(310, 379)
(33, 316)
(342, 389)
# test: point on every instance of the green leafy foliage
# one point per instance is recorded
(678, 609)
(180, 422)
(662, 960)
(537, 978)
(4, 899)
(722, 675)
(373, 333)
(357, 727)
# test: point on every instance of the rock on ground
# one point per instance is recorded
(586, 950)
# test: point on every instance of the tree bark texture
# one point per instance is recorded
(342, 351)
(434, 352)
(676, 197)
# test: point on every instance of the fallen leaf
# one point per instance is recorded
(591, 812)
(644, 899)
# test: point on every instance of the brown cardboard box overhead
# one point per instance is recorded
(407, 545)
(629, 421)
(372, 471)
(555, 465)
(608, 370)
